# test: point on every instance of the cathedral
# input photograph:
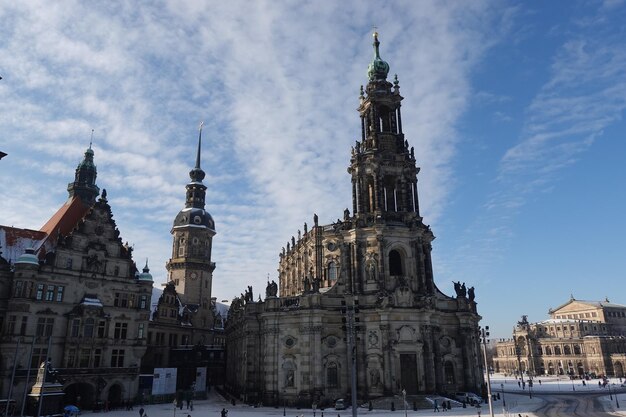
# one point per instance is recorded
(358, 313)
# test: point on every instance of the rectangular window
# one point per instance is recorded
(102, 329)
(19, 289)
(71, 358)
(173, 339)
(84, 358)
(39, 294)
(24, 325)
(121, 299)
(97, 358)
(49, 326)
(131, 301)
(50, 293)
(41, 326)
(60, 289)
(88, 329)
(140, 331)
(11, 324)
(143, 302)
(117, 358)
(68, 263)
(121, 330)
(75, 328)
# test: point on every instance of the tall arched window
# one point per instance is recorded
(395, 263)
(449, 372)
(290, 374)
(332, 375)
(332, 272)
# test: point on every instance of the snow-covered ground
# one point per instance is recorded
(517, 402)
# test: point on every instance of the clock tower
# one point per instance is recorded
(190, 268)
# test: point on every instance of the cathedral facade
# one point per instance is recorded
(357, 299)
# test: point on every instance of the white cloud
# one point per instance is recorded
(277, 87)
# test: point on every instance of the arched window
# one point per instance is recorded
(395, 263)
(449, 372)
(567, 350)
(332, 375)
(332, 272)
(290, 374)
(557, 350)
(548, 350)
(576, 349)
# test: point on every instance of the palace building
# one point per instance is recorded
(359, 292)
(71, 293)
(581, 338)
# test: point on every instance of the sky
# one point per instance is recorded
(515, 110)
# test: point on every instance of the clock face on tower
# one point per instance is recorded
(193, 275)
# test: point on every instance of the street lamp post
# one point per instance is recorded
(503, 401)
(404, 401)
(484, 333)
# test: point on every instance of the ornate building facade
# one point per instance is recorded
(70, 292)
(372, 268)
(581, 338)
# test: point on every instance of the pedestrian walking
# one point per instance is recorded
(436, 406)
(224, 412)
(141, 410)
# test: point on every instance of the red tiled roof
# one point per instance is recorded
(65, 219)
(15, 241)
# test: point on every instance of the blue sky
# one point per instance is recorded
(515, 110)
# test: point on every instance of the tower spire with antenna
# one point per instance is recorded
(199, 144)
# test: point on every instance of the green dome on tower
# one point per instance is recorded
(377, 69)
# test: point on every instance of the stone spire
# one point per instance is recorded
(84, 185)
(196, 190)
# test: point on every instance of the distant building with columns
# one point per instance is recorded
(580, 338)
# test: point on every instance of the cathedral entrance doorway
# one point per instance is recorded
(408, 372)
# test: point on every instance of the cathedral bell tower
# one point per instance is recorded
(384, 175)
(385, 205)
(190, 268)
